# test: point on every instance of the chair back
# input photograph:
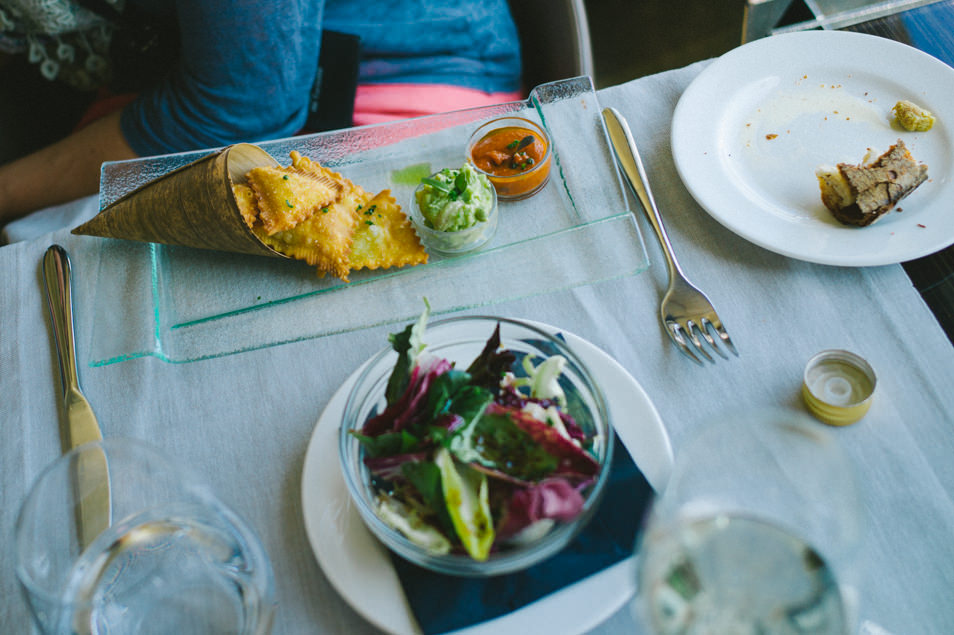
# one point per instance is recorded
(554, 38)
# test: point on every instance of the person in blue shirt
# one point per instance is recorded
(206, 73)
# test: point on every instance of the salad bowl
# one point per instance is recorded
(460, 341)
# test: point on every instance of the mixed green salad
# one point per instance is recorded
(475, 460)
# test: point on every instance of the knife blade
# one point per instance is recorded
(93, 509)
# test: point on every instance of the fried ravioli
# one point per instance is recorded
(325, 239)
(385, 237)
(309, 212)
(286, 197)
(247, 205)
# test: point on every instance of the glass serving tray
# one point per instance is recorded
(200, 304)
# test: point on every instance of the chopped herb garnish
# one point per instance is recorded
(369, 222)
(324, 210)
(285, 177)
(288, 203)
(437, 185)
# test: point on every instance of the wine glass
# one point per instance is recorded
(168, 556)
(756, 532)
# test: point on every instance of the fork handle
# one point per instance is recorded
(628, 157)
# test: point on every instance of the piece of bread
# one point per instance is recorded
(860, 194)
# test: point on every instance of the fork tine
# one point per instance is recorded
(728, 342)
(724, 336)
(676, 334)
(705, 327)
(691, 327)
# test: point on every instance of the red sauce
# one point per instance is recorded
(513, 173)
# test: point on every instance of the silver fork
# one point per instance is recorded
(686, 312)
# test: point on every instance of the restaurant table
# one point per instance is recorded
(243, 421)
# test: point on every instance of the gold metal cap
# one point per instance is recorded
(838, 387)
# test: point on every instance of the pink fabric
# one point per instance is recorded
(105, 103)
(375, 103)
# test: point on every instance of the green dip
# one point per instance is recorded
(455, 200)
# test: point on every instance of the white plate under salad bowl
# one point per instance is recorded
(359, 567)
(751, 129)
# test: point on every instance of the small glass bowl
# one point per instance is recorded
(460, 340)
(453, 242)
(524, 184)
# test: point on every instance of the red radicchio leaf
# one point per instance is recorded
(488, 367)
(450, 421)
(509, 396)
(401, 413)
(552, 498)
(389, 467)
(572, 458)
(500, 475)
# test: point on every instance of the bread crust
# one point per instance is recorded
(860, 194)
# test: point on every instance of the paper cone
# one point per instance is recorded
(192, 206)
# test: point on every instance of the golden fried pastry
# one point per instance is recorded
(324, 240)
(304, 165)
(245, 198)
(286, 197)
(385, 237)
(309, 212)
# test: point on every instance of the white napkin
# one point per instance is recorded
(50, 219)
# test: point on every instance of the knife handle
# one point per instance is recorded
(624, 146)
(57, 275)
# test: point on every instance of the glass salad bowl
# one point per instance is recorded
(468, 500)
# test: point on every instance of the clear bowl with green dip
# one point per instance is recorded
(454, 210)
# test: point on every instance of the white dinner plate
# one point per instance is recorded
(752, 128)
(360, 569)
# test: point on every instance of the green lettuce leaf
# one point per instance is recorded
(387, 444)
(425, 477)
(496, 442)
(467, 500)
(405, 520)
(408, 344)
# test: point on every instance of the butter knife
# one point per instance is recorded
(92, 475)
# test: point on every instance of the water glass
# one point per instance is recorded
(756, 532)
(173, 558)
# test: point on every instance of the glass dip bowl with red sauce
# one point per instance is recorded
(514, 153)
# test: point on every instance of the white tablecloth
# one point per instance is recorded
(244, 420)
